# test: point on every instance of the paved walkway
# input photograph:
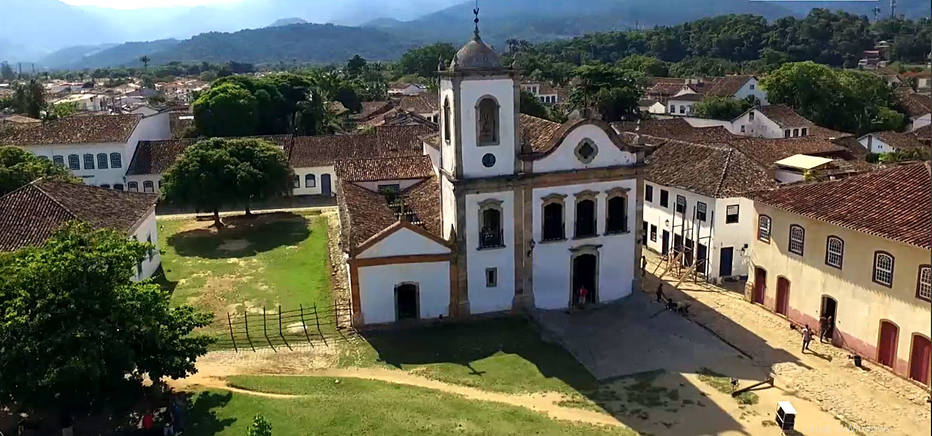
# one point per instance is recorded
(872, 400)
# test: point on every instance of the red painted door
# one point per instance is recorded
(886, 350)
(783, 295)
(919, 361)
(760, 285)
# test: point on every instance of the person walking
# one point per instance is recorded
(660, 293)
(823, 327)
(830, 329)
(807, 337)
(583, 293)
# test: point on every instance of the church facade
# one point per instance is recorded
(528, 213)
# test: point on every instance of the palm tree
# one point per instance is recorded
(145, 61)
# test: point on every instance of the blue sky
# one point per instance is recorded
(135, 4)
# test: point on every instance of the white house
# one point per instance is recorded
(544, 91)
(95, 148)
(30, 214)
(918, 107)
(83, 102)
(682, 104)
(407, 89)
(688, 91)
(694, 205)
(526, 212)
(890, 141)
(772, 121)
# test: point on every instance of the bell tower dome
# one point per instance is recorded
(479, 108)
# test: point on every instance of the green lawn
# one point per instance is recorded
(266, 261)
(503, 355)
(329, 406)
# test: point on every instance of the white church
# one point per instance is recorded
(502, 212)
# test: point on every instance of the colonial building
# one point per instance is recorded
(32, 213)
(517, 213)
(890, 141)
(679, 95)
(856, 250)
(96, 148)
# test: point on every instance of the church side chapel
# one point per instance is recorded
(504, 211)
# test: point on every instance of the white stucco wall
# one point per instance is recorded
(788, 176)
(148, 231)
(446, 144)
(377, 289)
(752, 87)
(448, 208)
(552, 260)
(403, 242)
(317, 189)
(687, 104)
(481, 298)
(921, 121)
(564, 157)
(720, 233)
(874, 144)
(96, 176)
(471, 91)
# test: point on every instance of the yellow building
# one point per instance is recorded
(856, 250)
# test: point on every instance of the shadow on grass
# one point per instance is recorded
(159, 278)
(202, 415)
(242, 236)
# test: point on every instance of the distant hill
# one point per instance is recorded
(287, 22)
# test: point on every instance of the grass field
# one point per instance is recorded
(361, 407)
(264, 261)
(502, 355)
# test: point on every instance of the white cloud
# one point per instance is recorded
(136, 4)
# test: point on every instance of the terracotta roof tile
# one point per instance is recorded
(676, 128)
(29, 215)
(767, 151)
(538, 132)
(77, 130)
(420, 104)
(713, 170)
(391, 168)
(725, 86)
(364, 213)
(890, 203)
(784, 116)
(914, 103)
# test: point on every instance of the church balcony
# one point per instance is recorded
(491, 239)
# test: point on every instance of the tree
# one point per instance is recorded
(423, 61)
(145, 61)
(76, 330)
(532, 106)
(6, 71)
(846, 100)
(356, 66)
(259, 427)
(613, 92)
(29, 98)
(216, 172)
(262, 171)
(19, 167)
(648, 65)
(721, 108)
(225, 110)
(61, 110)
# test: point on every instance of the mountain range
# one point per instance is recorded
(88, 37)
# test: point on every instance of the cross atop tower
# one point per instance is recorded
(475, 12)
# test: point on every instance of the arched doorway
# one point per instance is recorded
(406, 301)
(886, 346)
(919, 359)
(585, 275)
(783, 295)
(760, 285)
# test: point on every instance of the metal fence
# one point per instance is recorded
(277, 328)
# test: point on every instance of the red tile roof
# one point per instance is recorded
(76, 130)
(899, 140)
(891, 203)
(716, 171)
(391, 168)
(364, 213)
(784, 116)
(29, 215)
(914, 103)
(676, 128)
(725, 86)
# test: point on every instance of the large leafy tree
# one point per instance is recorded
(612, 92)
(29, 98)
(531, 105)
(721, 108)
(217, 172)
(19, 167)
(226, 110)
(75, 330)
(423, 61)
(846, 100)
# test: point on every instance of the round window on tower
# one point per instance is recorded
(488, 160)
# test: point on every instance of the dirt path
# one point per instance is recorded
(871, 401)
(214, 368)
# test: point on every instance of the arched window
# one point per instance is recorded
(487, 123)
(924, 283)
(797, 239)
(554, 226)
(74, 162)
(883, 268)
(116, 160)
(616, 214)
(310, 181)
(491, 234)
(446, 119)
(132, 186)
(88, 161)
(148, 186)
(834, 251)
(58, 160)
(102, 161)
(763, 228)
(585, 215)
